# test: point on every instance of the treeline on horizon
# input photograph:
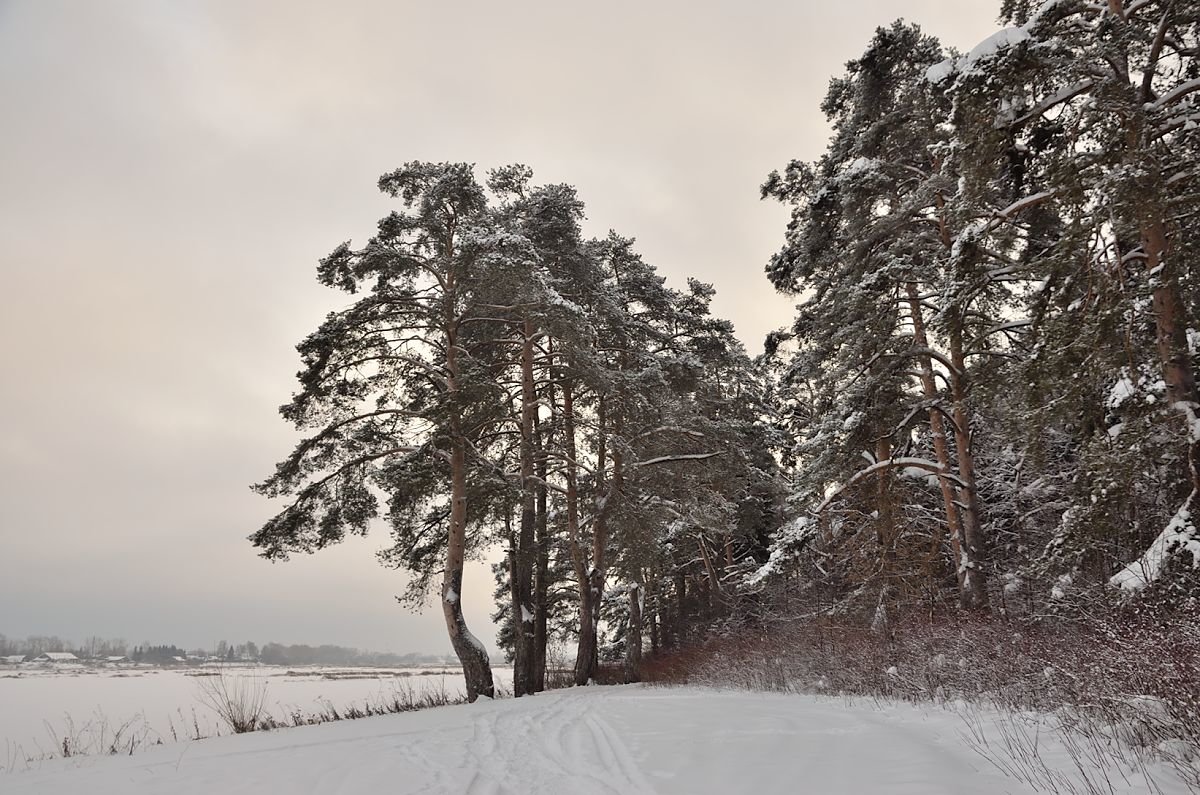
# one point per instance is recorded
(986, 406)
(270, 653)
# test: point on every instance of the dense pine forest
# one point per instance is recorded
(982, 427)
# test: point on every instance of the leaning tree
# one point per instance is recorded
(399, 395)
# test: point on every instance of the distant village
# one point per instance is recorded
(97, 652)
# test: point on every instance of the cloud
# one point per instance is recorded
(171, 172)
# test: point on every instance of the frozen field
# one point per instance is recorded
(39, 706)
(583, 741)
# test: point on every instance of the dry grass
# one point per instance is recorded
(240, 702)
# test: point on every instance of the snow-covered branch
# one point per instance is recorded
(891, 463)
(1174, 95)
(667, 459)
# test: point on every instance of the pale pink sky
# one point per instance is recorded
(170, 172)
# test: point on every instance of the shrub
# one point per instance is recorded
(240, 701)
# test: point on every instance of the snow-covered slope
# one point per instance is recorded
(623, 741)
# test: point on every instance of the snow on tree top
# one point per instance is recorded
(859, 166)
(999, 41)
(1003, 39)
(939, 72)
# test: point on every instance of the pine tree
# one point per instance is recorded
(1090, 108)
(401, 392)
(869, 248)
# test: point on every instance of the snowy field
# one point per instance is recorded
(41, 705)
(585, 741)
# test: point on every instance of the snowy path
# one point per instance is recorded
(593, 741)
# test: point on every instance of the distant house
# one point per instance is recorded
(56, 657)
(13, 659)
(113, 660)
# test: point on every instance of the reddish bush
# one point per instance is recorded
(1137, 676)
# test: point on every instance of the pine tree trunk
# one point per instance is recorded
(589, 620)
(477, 670)
(523, 610)
(592, 594)
(514, 599)
(885, 531)
(655, 631)
(633, 641)
(472, 655)
(589, 617)
(1171, 341)
(710, 569)
(1170, 312)
(941, 451)
(679, 634)
(541, 575)
(574, 541)
(974, 546)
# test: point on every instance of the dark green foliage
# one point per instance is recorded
(1040, 193)
(476, 310)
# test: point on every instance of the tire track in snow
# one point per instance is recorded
(486, 769)
(614, 750)
(582, 741)
(561, 746)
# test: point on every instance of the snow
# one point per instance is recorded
(1003, 39)
(1189, 411)
(859, 166)
(969, 235)
(1178, 536)
(58, 656)
(994, 44)
(789, 535)
(897, 463)
(1042, 10)
(631, 740)
(914, 473)
(554, 298)
(1172, 96)
(36, 702)
(940, 71)
(1025, 203)
(475, 642)
(1120, 392)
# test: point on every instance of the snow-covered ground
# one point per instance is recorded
(585, 741)
(40, 705)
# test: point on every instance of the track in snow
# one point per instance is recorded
(585, 741)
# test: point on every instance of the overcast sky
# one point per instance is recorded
(170, 172)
